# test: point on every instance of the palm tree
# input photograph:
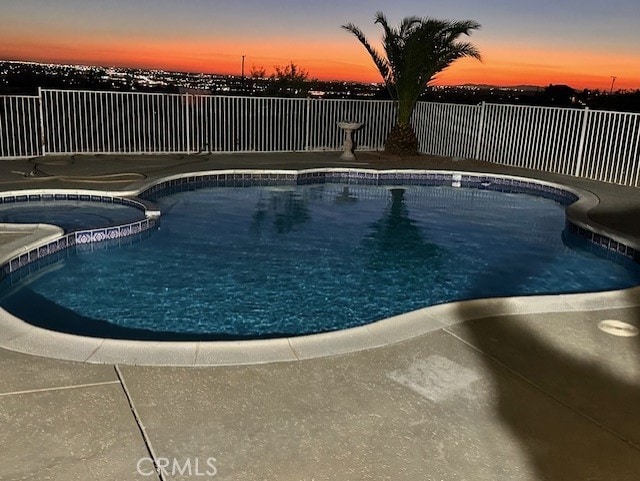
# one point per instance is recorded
(413, 54)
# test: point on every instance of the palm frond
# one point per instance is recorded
(381, 63)
(393, 46)
(407, 25)
(415, 52)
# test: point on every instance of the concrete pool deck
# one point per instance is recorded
(492, 393)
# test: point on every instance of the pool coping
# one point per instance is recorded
(18, 335)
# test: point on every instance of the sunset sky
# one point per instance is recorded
(582, 43)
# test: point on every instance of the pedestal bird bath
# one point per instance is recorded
(348, 128)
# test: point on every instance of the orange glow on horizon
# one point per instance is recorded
(343, 59)
(580, 70)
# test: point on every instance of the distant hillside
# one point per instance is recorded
(534, 88)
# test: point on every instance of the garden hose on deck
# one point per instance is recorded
(37, 174)
(90, 179)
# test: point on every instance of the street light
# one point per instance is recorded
(613, 80)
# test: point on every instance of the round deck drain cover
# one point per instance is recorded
(618, 328)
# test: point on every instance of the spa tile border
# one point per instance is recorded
(40, 255)
(16, 197)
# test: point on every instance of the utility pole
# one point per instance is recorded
(613, 80)
(243, 87)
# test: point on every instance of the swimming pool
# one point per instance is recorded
(285, 260)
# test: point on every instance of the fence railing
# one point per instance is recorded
(592, 144)
(106, 122)
(447, 129)
(20, 128)
(122, 122)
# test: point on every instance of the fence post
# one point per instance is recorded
(480, 133)
(583, 135)
(187, 123)
(307, 125)
(43, 144)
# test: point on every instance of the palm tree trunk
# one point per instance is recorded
(402, 140)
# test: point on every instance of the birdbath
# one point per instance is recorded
(348, 128)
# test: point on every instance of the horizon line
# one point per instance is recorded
(362, 82)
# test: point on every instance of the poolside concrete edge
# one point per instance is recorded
(22, 337)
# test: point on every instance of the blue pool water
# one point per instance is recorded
(290, 260)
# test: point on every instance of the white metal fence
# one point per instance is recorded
(610, 148)
(19, 126)
(447, 129)
(586, 143)
(117, 122)
(248, 124)
(107, 122)
(593, 144)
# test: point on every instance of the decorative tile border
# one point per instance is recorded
(603, 245)
(13, 198)
(201, 181)
(357, 177)
(111, 233)
(76, 240)
(39, 256)
(482, 181)
(37, 259)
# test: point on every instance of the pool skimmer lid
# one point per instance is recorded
(618, 328)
